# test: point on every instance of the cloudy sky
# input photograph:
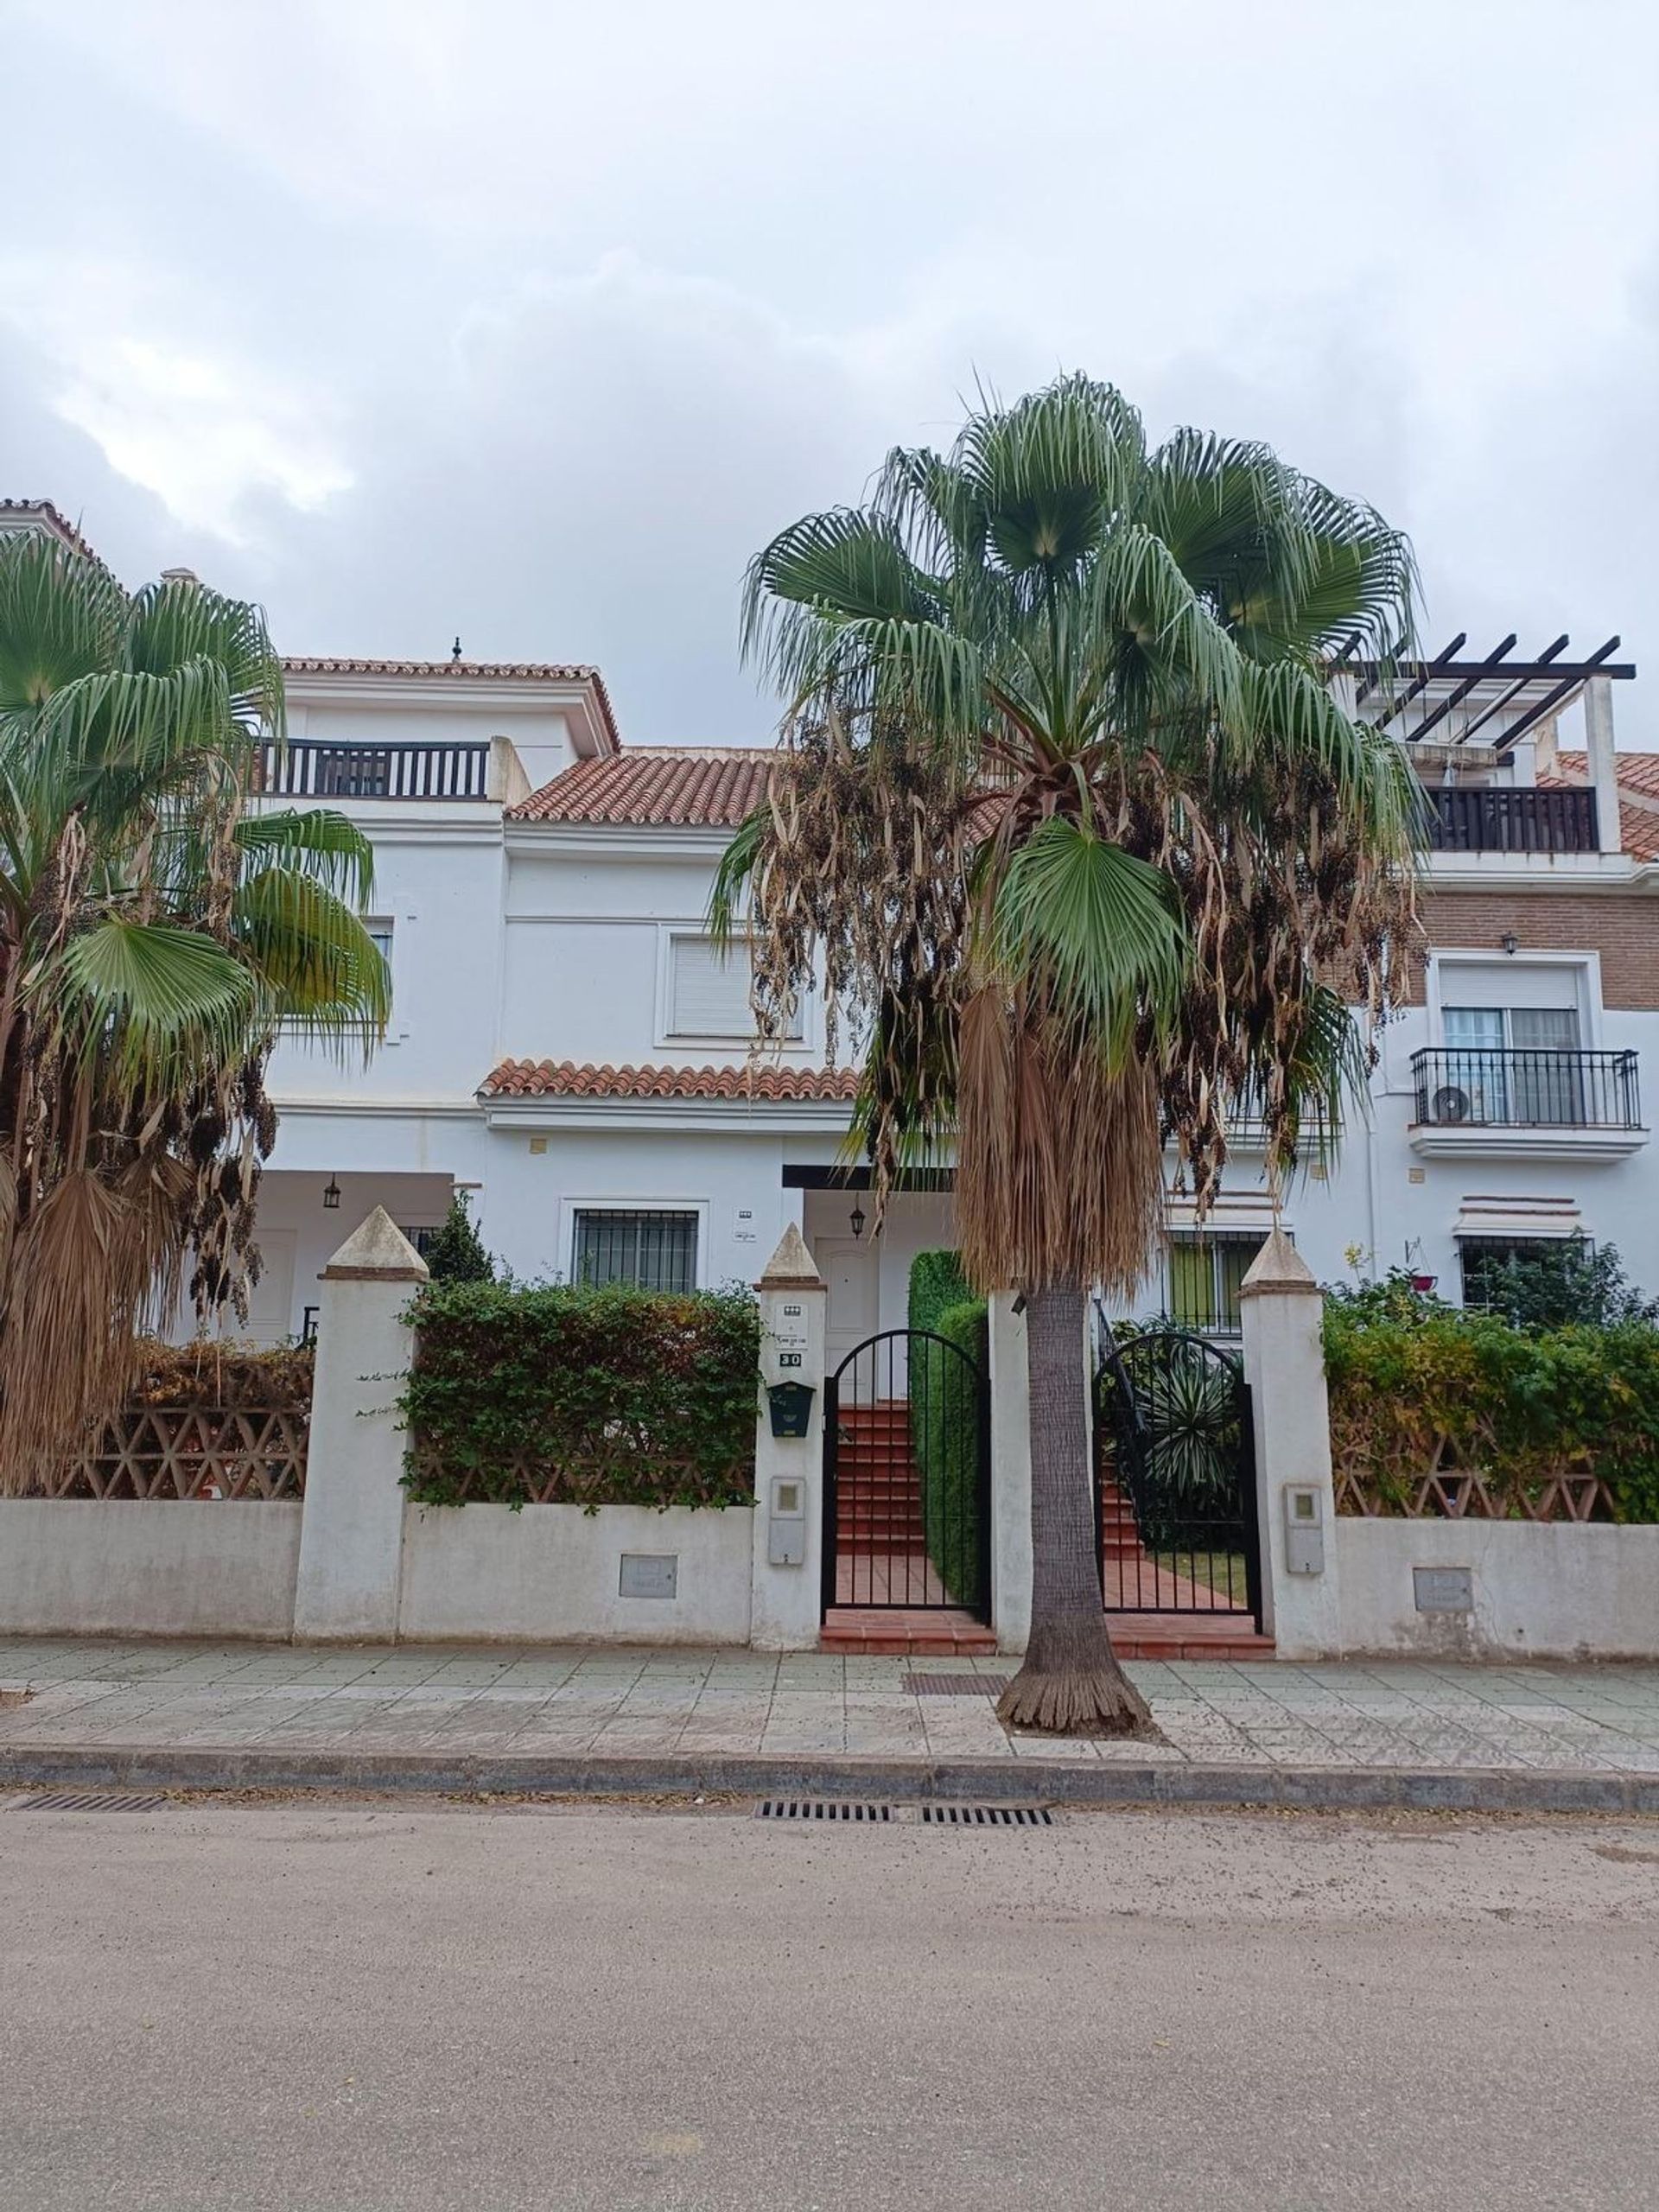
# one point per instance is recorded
(529, 323)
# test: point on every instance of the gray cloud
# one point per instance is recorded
(418, 319)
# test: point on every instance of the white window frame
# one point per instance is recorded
(668, 935)
(385, 926)
(633, 1202)
(1442, 989)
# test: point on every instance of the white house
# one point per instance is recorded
(565, 1045)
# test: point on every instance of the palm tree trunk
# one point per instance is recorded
(1071, 1683)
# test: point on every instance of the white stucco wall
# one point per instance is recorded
(1541, 1590)
(109, 1567)
(551, 1572)
(439, 881)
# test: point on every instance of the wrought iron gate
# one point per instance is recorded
(1174, 1476)
(906, 1458)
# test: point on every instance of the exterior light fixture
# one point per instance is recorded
(1510, 942)
(856, 1219)
(331, 1196)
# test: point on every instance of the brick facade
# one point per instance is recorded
(1623, 930)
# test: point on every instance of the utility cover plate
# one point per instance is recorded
(650, 1574)
(1443, 1589)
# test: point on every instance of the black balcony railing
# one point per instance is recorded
(309, 768)
(1512, 818)
(1526, 1089)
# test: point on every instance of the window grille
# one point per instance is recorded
(656, 1251)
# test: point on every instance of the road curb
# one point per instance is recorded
(1056, 1780)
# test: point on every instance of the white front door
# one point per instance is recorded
(849, 1267)
(270, 1307)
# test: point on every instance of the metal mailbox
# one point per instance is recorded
(791, 1406)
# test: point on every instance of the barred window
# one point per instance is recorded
(656, 1251)
(1483, 1258)
(1206, 1270)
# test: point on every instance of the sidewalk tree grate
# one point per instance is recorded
(93, 1801)
(986, 1816)
(957, 1685)
(821, 1808)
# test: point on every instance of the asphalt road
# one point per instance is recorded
(291, 2006)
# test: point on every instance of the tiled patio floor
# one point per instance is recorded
(422, 1697)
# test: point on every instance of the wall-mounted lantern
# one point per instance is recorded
(855, 1220)
(331, 1196)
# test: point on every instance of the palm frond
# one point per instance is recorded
(311, 955)
(158, 1002)
(1099, 926)
(330, 845)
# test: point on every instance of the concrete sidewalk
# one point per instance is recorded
(1539, 1736)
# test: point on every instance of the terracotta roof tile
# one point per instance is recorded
(570, 1079)
(328, 664)
(1638, 787)
(703, 786)
(1637, 771)
(59, 525)
(461, 671)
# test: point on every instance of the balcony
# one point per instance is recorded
(308, 768)
(1530, 1104)
(1512, 818)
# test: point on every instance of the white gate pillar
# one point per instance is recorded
(352, 1528)
(1282, 1311)
(786, 1610)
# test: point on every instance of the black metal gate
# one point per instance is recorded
(1174, 1476)
(907, 1477)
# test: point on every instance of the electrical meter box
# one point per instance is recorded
(1304, 1528)
(786, 1521)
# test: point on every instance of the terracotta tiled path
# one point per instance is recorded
(421, 1697)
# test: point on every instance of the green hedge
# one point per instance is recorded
(1522, 1405)
(946, 1444)
(936, 1283)
(565, 1393)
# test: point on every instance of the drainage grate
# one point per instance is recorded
(986, 1816)
(820, 1808)
(957, 1685)
(931, 1816)
(92, 1800)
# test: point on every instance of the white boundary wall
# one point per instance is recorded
(552, 1573)
(1542, 1590)
(129, 1566)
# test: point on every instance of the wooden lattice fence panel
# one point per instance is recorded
(192, 1451)
(1434, 1481)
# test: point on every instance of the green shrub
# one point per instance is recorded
(456, 1254)
(936, 1283)
(944, 1417)
(1519, 1406)
(946, 1444)
(567, 1394)
(1183, 1474)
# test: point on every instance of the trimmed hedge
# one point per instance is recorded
(565, 1393)
(946, 1444)
(1520, 1405)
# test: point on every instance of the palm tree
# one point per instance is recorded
(1081, 837)
(154, 934)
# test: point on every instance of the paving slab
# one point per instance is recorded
(416, 1717)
